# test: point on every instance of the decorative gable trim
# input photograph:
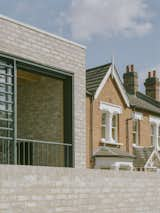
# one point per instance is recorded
(103, 82)
(153, 161)
(120, 86)
(112, 72)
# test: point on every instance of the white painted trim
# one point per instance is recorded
(111, 108)
(121, 88)
(40, 31)
(135, 145)
(103, 82)
(137, 115)
(154, 120)
(104, 141)
(120, 164)
(150, 161)
(114, 74)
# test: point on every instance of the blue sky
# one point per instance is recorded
(127, 29)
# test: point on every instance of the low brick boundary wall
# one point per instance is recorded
(26, 189)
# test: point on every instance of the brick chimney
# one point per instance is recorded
(152, 85)
(130, 78)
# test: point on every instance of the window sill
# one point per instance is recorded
(110, 143)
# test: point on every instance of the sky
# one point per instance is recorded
(129, 30)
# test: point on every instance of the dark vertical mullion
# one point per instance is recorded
(15, 111)
(67, 97)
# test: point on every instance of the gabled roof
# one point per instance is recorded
(97, 77)
(144, 102)
(94, 76)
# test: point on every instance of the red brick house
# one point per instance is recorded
(123, 124)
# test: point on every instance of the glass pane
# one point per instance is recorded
(6, 115)
(103, 132)
(103, 118)
(114, 121)
(134, 138)
(159, 141)
(152, 130)
(114, 134)
(135, 125)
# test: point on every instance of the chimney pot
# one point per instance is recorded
(130, 79)
(154, 73)
(152, 85)
(149, 74)
(132, 67)
(127, 68)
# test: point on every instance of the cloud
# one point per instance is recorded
(88, 18)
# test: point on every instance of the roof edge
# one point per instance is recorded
(41, 31)
(149, 99)
(93, 68)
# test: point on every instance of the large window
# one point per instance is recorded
(135, 132)
(109, 123)
(35, 114)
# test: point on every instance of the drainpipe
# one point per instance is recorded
(127, 130)
(91, 128)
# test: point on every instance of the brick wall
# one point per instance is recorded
(50, 190)
(40, 116)
(40, 108)
(110, 93)
(29, 43)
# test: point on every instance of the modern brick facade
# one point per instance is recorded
(37, 46)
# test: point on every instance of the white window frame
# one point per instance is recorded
(110, 110)
(115, 128)
(159, 135)
(136, 131)
(104, 125)
(155, 121)
(137, 116)
(153, 134)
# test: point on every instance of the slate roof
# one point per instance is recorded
(144, 102)
(106, 151)
(142, 154)
(94, 76)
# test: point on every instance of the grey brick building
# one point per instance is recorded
(42, 97)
